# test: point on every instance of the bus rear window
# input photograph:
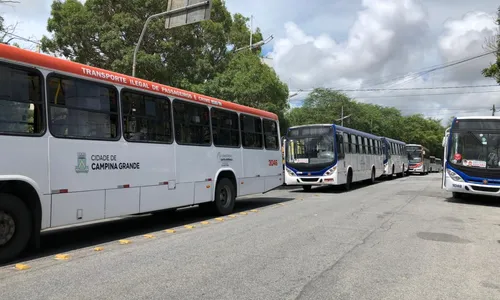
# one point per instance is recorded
(21, 102)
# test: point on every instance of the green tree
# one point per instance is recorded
(493, 71)
(248, 81)
(103, 33)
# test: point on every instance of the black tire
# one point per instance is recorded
(225, 197)
(13, 212)
(372, 178)
(306, 188)
(348, 183)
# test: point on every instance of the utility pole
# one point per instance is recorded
(251, 31)
(493, 110)
(342, 116)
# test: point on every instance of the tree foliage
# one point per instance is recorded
(103, 33)
(324, 106)
(493, 71)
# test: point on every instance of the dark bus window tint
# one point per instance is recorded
(21, 101)
(191, 123)
(82, 109)
(251, 131)
(146, 118)
(271, 135)
(225, 130)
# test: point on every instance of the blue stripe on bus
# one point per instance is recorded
(471, 179)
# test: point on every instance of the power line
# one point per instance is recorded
(409, 89)
(20, 37)
(426, 94)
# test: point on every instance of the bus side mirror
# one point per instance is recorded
(443, 143)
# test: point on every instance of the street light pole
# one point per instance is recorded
(165, 13)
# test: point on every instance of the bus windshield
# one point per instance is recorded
(475, 149)
(310, 147)
(414, 154)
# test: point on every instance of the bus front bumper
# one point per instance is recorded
(311, 180)
(416, 170)
(471, 188)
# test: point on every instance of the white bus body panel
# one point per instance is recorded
(169, 175)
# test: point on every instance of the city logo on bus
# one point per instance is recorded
(485, 181)
(81, 163)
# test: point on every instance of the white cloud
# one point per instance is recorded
(389, 39)
(378, 42)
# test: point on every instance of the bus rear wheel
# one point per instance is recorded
(372, 178)
(15, 226)
(225, 197)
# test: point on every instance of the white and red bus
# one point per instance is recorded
(81, 144)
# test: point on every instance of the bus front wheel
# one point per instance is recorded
(15, 226)
(348, 181)
(306, 188)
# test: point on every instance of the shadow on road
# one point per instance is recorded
(476, 200)
(64, 240)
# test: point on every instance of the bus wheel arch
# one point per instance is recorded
(21, 198)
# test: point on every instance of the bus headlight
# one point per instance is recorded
(330, 171)
(290, 172)
(454, 175)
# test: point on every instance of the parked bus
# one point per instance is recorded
(419, 159)
(395, 157)
(81, 144)
(471, 156)
(432, 164)
(331, 155)
(439, 165)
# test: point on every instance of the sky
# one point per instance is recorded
(362, 44)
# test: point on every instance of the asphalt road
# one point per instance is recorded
(399, 239)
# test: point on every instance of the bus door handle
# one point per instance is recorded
(257, 175)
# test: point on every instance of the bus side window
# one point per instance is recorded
(365, 145)
(146, 118)
(347, 143)
(191, 123)
(82, 108)
(372, 150)
(340, 146)
(251, 132)
(21, 101)
(225, 128)
(354, 142)
(270, 134)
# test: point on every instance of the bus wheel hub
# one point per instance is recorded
(7, 228)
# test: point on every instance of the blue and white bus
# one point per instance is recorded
(395, 157)
(471, 156)
(326, 154)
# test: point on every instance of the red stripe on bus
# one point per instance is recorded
(58, 64)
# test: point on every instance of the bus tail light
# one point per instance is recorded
(454, 175)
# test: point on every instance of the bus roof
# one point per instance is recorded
(30, 58)
(344, 129)
(479, 118)
(393, 140)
